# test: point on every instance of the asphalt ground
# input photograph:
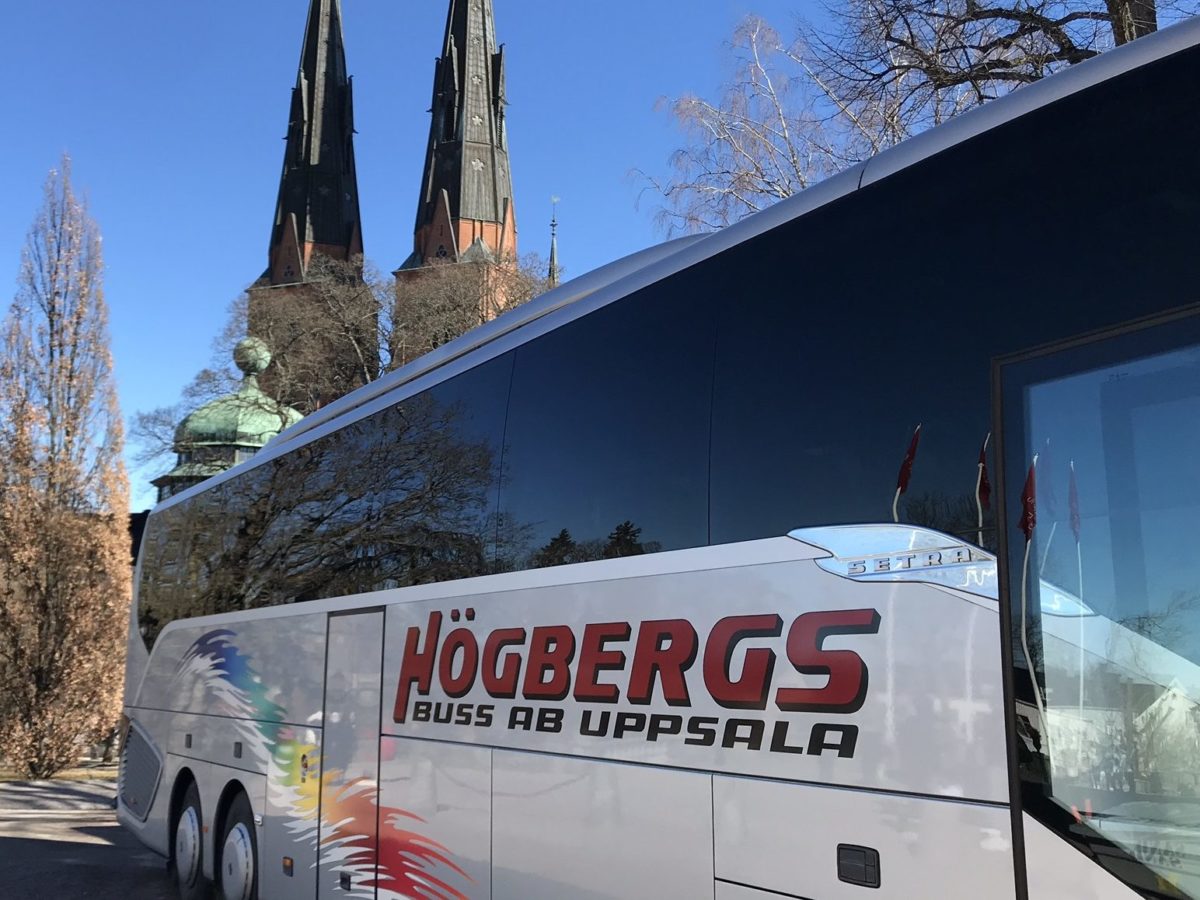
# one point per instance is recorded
(61, 840)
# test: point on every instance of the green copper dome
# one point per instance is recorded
(247, 418)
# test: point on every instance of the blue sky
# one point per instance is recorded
(174, 115)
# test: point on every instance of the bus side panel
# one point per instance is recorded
(727, 891)
(290, 832)
(1055, 869)
(153, 831)
(264, 670)
(785, 837)
(225, 694)
(435, 807)
(565, 827)
(349, 794)
(586, 669)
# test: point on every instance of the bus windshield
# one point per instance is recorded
(1104, 590)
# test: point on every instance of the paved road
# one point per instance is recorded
(62, 840)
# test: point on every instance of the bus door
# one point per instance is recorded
(1100, 485)
(350, 756)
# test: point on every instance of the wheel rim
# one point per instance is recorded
(187, 846)
(237, 864)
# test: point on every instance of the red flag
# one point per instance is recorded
(985, 486)
(906, 467)
(1073, 502)
(1029, 503)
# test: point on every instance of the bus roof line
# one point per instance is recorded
(632, 273)
(1028, 98)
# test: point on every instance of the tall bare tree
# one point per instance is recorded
(324, 334)
(765, 138)
(439, 303)
(799, 110)
(64, 540)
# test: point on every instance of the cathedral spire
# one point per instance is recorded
(465, 211)
(318, 210)
(553, 271)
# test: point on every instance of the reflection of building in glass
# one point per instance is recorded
(230, 429)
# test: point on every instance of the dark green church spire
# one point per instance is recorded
(318, 208)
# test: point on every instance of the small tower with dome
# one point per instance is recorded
(228, 430)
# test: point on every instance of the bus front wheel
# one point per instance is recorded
(238, 872)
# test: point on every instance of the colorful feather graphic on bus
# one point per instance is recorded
(327, 813)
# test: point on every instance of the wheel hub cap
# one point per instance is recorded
(187, 846)
(237, 864)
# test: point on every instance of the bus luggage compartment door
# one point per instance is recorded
(350, 763)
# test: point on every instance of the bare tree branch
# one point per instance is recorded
(796, 112)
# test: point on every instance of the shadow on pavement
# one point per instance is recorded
(56, 795)
(93, 861)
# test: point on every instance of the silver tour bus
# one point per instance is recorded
(848, 552)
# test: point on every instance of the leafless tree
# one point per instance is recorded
(935, 57)
(440, 302)
(764, 139)
(797, 111)
(326, 335)
(64, 544)
(348, 312)
(342, 313)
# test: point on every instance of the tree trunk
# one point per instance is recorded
(1132, 19)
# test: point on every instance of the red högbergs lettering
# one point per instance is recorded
(538, 664)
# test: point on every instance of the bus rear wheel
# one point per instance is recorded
(238, 872)
(187, 847)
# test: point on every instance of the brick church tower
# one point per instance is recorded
(465, 212)
(316, 240)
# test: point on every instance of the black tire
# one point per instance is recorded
(244, 885)
(191, 884)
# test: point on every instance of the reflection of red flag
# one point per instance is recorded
(1073, 502)
(906, 467)
(1029, 503)
(985, 486)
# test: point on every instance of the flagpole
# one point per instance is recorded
(1079, 563)
(982, 468)
(978, 508)
(1046, 551)
(1028, 523)
(1051, 502)
(905, 473)
(1073, 506)
(1037, 694)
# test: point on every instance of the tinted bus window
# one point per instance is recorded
(881, 312)
(606, 452)
(403, 497)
